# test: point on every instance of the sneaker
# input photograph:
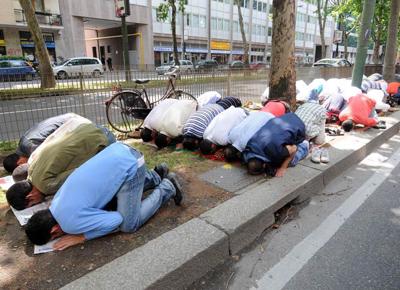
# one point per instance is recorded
(178, 197)
(162, 170)
(316, 155)
(324, 155)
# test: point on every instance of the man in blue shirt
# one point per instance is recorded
(278, 144)
(77, 212)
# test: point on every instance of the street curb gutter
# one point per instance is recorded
(185, 254)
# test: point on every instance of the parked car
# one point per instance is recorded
(184, 66)
(206, 64)
(258, 65)
(73, 66)
(13, 70)
(237, 64)
(332, 62)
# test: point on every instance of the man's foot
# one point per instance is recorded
(162, 170)
(178, 197)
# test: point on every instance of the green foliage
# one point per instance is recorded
(164, 8)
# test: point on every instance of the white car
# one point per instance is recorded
(184, 65)
(73, 66)
(332, 62)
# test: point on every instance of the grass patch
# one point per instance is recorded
(6, 146)
(174, 158)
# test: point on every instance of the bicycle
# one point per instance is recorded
(127, 109)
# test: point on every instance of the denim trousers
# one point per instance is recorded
(301, 153)
(134, 211)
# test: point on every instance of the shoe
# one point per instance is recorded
(178, 197)
(324, 155)
(380, 125)
(316, 155)
(162, 170)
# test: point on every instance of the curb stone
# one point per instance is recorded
(183, 255)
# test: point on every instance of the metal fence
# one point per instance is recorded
(23, 103)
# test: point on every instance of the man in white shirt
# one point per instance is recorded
(171, 122)
(217, 132)
(152, 120)
(210, 97)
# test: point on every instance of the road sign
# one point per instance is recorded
(338, 36)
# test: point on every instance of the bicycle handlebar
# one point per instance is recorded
(173, 71)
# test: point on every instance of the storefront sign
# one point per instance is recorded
(31, 44)
(220, 45)
(2, 42)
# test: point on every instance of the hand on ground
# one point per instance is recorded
(68, 241)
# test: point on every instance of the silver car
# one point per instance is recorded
(184, 66)
(332, 62)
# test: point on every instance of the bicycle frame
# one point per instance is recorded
(170, 88)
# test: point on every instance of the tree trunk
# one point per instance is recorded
(362, 45)
(321, 11)
(245, 44)
(173, 28)
(346, 45)
(391, 43)
(282, 80)
(47, 79)
(377, 45)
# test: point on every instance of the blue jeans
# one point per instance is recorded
(134, 211)
(301, 153)
(110, 136)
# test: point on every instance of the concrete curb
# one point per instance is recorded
(183, 255)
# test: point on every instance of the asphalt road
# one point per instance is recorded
(347, 237)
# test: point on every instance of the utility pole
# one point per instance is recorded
(362, 45)
(182, 36)
(124, 32)
(209, 29)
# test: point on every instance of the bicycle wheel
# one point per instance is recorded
(181, 95)
(126, 111)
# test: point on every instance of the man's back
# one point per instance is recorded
(218, 130)
(268, 143)
(62, 155)
(198, 121)
(241, 134)
(78, 204)
(175, 117)
(36, 135)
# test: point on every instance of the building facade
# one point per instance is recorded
(210, 29)
(15, 38)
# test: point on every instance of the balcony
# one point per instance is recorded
(43, 18)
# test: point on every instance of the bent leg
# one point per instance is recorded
(161, 194)
(151, 179)
(301, 153)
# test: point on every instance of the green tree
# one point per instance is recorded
(282, 80)
(392, 42)
(163, 14)
(238, 4)
(47, 79)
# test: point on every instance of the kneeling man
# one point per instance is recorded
(77, 211)
(280, 143)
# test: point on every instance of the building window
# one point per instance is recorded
(202, 21)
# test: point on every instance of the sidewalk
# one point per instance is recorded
(186, 253)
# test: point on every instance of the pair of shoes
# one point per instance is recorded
(162, 170)
(319, 155)
(178, 197)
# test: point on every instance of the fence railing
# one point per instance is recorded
(24, 103)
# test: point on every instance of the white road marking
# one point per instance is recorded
(281, 273)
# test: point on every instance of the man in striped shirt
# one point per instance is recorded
(197, 123)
